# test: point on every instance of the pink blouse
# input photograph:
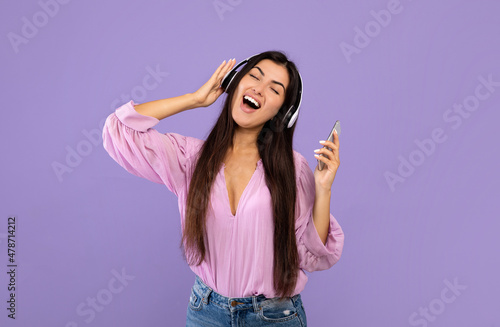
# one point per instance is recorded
(239, 258)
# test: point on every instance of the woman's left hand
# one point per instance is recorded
(324, 178)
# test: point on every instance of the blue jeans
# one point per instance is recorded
(208, 308)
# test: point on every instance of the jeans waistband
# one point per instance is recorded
(235, 303)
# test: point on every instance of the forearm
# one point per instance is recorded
(167, 107)
(321, 213)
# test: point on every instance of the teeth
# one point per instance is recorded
(252, 100)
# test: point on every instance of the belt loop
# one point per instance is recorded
(255, 303)
(206, 296)
(295, 298)
(206, 290)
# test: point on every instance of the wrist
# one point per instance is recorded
(192, 101)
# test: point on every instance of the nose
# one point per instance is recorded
(258, 89)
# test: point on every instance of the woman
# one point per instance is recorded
(253, 215)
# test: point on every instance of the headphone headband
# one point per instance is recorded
(292, 112)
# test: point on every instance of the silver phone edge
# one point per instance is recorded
(321, 164)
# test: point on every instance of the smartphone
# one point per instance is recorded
(336, 127)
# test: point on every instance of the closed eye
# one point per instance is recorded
(274, 90)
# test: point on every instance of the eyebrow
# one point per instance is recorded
(276, 82)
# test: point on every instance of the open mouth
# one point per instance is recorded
(251, 102)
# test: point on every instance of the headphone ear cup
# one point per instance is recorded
(288, 116)
(293, 117)
(293, 112)
(227, 79)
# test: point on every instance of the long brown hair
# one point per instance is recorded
(275, 148)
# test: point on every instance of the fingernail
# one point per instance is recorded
(317, 150)
(335, 131)
(321, 142)
(317, 156)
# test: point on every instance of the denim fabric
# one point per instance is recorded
(208, 308)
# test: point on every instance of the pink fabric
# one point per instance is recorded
(239, 260)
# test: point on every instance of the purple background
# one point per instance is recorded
(402, 244)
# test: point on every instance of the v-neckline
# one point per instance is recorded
(223, 169)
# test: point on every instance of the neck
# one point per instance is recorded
(245, 140)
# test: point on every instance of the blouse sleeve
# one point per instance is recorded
(130, 140)
(313, 254)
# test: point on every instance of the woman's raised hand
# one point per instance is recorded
(211, 90)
